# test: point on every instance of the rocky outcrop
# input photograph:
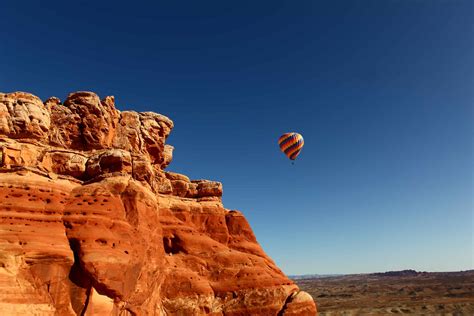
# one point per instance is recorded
(91, 224)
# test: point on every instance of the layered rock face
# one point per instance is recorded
(91, 224)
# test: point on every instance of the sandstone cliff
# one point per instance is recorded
(91, 224)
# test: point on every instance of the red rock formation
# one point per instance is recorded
(90, 224)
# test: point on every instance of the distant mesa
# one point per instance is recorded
(397, 273)
(92, 224)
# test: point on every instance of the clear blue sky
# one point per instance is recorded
(382, 92)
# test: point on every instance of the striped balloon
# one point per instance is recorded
(291, 144)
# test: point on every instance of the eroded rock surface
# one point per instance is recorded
(91, 224)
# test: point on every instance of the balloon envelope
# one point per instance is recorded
(291, 144)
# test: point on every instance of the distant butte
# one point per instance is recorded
(91, 224)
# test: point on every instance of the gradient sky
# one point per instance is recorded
(382, 92)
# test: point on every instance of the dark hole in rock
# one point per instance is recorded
(172, 244)
(101, 241)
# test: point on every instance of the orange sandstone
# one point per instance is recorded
(91, 224)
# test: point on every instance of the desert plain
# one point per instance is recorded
(391, 293)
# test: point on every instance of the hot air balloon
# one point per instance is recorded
(291, 144)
